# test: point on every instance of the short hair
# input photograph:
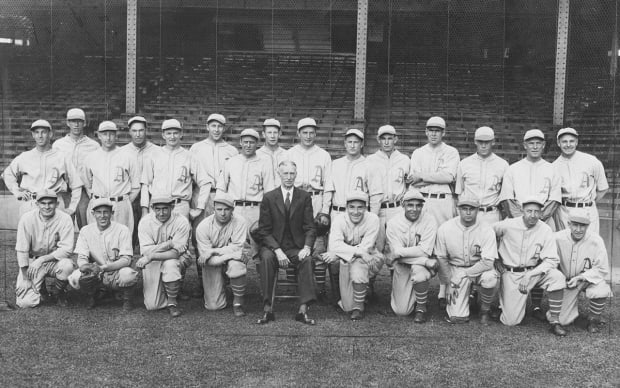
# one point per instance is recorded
(287, 162)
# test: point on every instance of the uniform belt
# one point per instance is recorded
(178, 200)
(433, 195)
(113, 199)
(389, 205)
(315, 192)
(576, 204)
(518, 269)
(32, 197)
(338, 208)
(487, 209)
(247, 203)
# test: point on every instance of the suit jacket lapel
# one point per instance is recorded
(295, 202)
(280, 202)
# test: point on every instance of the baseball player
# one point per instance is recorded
(352, 239)
(582, 179)
(528, 257)
(584, 262)
(44, 244)
(170, 173)
(211, 153)
(246, 177)
(393, 167)
(410, 239)
(42, 168)
(221, 237)
(433, 171)
(140, 149)
(112, 173)
(480, 176)
(271, 150)
(76, 146)
(107, 244)
(164, 238)
(467, 250)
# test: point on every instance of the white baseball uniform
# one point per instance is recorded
(520, 249)
(581, 177)
(409, 267)
(481, 178)
(229, 239)
(525, 179)
(471, 251)
(35, 238)
(151, 232)
(314, 168)
(587, 257)
(354, 175)
(274, 158)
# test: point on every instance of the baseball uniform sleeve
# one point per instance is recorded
(237, 238)
(64, 247)
(600, 263)
(11, 175)
(81, 249)
(447, 172)
(180, 237)
(203, 237)
(441, 253)
(87, 175)
(202, 179)
(268, 177)
(488, 253)
(337, 242)
(460, 180)
(22, 243)
(222, 180)
(146, 179)
(146, 236)
(549, 251)
(327, 177)
(125, 242)
(508, 190)
(555, 193)
(599, 175)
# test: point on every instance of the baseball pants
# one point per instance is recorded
(404, 280)
(356, 272)
(59, 270)
(214, 282)
(123, 213)
(250, 214)
(570, 302)
(488, 218)
(121, 278)
(155, 274)
(385, 215)
(459, 306)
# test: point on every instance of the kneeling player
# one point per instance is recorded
(352, 239)
(583, 260)
(529, 258)
(44, 245)
(466, 249)
(220, 240)
(107, 244)
(164, 238)
(411, 236)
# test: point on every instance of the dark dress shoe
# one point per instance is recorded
(558, 330)
(303, 318)
(174, 311)
(419, 317)
(267, 316)
(357, 315)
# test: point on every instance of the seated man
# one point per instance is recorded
(528, 258)
(220, 239)
(583, 260)
(411, 237)
(352, 240)
(467, 250)
(164, 238)
(107, 244)
(44, 245)
(287, 233)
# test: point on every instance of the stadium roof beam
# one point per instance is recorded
(132, 56)
(560, 63)
(360, 60)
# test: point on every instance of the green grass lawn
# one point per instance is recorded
(50, 346)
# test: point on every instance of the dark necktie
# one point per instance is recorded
(287, 203)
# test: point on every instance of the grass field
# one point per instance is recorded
(50, 346)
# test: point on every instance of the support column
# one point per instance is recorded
(360, 60)
(560, 63)
(132, 53)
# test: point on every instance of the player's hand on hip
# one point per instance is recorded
(25, 195)
(329, 257)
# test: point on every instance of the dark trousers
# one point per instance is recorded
(268, 268)
(137, 214)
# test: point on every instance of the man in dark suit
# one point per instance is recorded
(286, 233)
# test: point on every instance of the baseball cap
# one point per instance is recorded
(138, 119)
(386, 129)
(579, 216)
(484, 134)
(107, 126)
(533, 134)
(306, 122)
(436, 122)
(250, 132)
(165, 200)
(532, 199)
(40, 124)
(102, 202)
(468, 201)
(357, 195)
(46, 193)
(355, 132)
(271, 123)
(567, 131)
(76, 114)
(413, 194)
(171, 124)
(216, 117)
(224, 198)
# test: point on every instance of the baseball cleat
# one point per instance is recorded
(539, 314)
(558, 330)
(442, 303)
(357, 315)
(267, 316)
(174, 311)
(593, 326)
(420, 317)
(303, 318)
(238, 311)
(485, 319)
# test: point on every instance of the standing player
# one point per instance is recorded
(433, 171)
(164, 238)
(467, 250)
(528, 258)
(170, 173)
(480, 176)
(271, 150)
(112, 173)
(411, 237)
(393, 167)
(107, 244)
(582, 178)
(220, 239)
(352, 239)
(76, 146)
(584, 262)
(44, 244)
(42, 168)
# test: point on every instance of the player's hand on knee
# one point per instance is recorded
(329, 257)
(283, 260)
(524, 283)
(574, 282)
(432, 264)
(33, 268)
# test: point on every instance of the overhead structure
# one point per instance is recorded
(560, 63)
(360, 60)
